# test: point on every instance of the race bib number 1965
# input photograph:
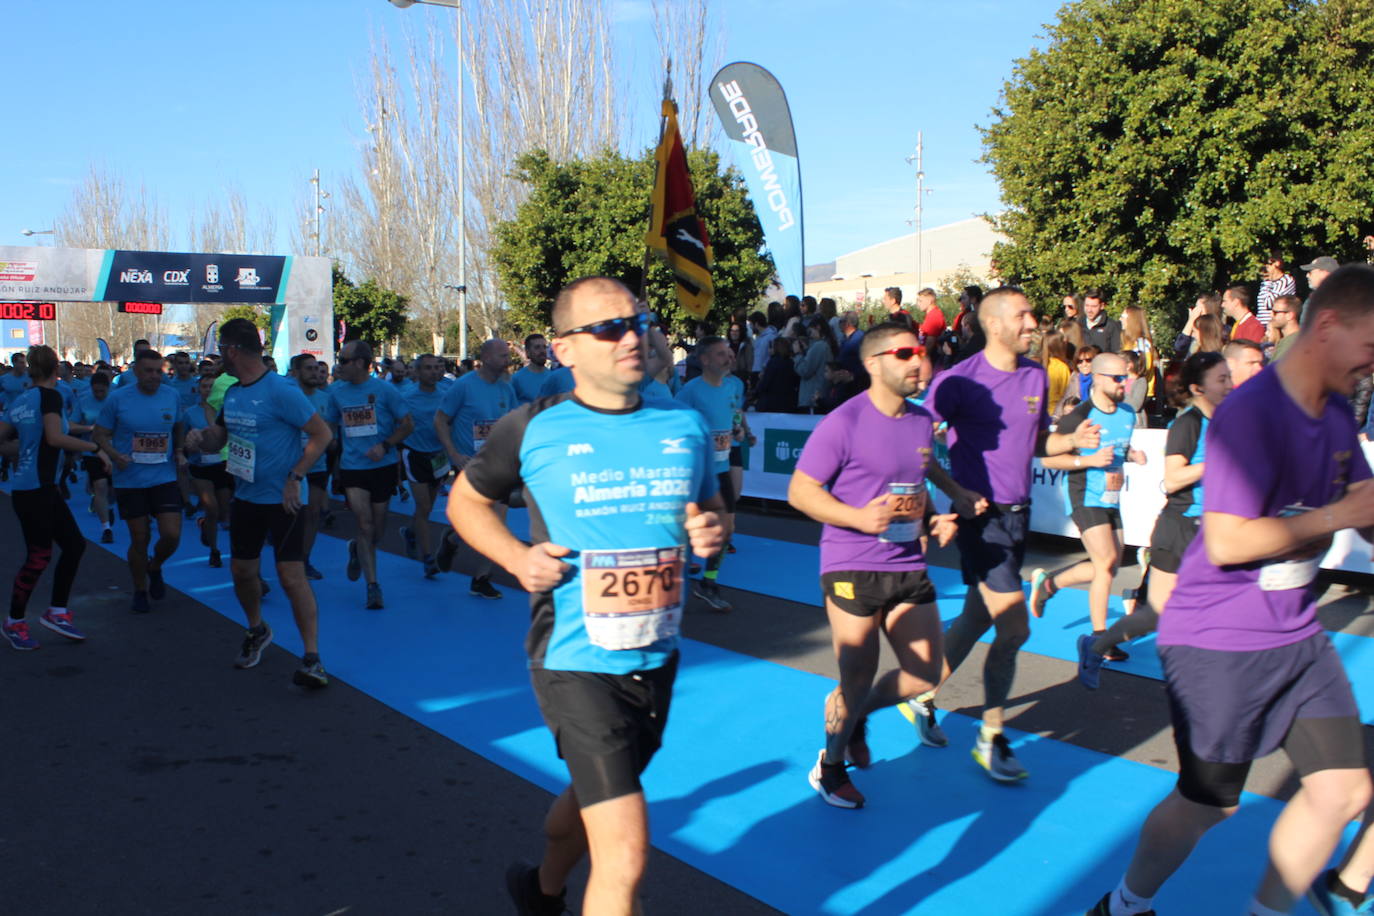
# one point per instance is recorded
(632, 598)
(150, 448)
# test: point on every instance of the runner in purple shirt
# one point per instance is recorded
(1247, 666)
(863, 475)
(994, 403)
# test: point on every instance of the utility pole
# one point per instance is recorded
(921, 193)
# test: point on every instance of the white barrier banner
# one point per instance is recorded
(768, 467)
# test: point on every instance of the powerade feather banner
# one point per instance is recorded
(753, 110)
(676, 233)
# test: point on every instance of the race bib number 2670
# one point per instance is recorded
(632, 598)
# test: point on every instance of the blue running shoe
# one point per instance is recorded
(61, 622)
(17, 632)
(1089, 663)
(1328, 903)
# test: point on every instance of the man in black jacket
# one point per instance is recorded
(1099, 330)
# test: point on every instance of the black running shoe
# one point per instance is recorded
(522, 883)
(374, 597)
(254, 641)
(448, 549)
(107, 536)
(408, 538)
(1104, 908)
(157, 589)
(482, 588)
(312, 675)
(313, 573)
(216, 559)
(355, 566)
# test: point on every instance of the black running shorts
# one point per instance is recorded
(1171, 536)
(217, 474)
(318, 480)
(607, 726)
(864, 593)
(1086, 517)
(250, 524)
(140, 502)
(380, 483)
(94, 468)
(419, 466)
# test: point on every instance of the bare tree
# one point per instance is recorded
(690, 45)
(540, 76)
(228, 224)
(104, 212)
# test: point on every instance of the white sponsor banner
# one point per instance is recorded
(62, 274)
(780, 438)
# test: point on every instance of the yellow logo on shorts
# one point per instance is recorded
(844, 590)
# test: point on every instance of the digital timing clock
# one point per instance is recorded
(28, 311)
(141, 308)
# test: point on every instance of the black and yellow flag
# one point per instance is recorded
(675, 231)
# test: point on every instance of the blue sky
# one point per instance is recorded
(190, 97)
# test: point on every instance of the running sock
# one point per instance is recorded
(258, 630)
(1259, 909)
(987, 733)
(710, 574)
(1343, 890)
(1125, 903)
(310, 658)
(926, 697)
(57, 610)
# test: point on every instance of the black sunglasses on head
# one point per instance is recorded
(612, 329)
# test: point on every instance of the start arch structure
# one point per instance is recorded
(298, 289)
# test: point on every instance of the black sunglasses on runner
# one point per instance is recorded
(613, 329)
(905, 354)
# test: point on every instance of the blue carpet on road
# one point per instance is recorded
(729, 793)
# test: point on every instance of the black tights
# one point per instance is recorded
(45, 519)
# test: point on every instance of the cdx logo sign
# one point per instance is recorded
(782, 448)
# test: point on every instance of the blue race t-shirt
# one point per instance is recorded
(720, 406)
(142, 428)
(615, 487)
(264, 420)
(193, 417)
(528, 383)
(1099, 487)
(38, 461)
(423, 405)
(473, 405)
(11, 386)
(557, 381)
(366, 414)
(319, 399)
(187, 389)
(651, 389)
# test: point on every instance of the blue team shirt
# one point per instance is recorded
(473, 405)
(1100, 487)
(528, 383)
(37, 463)
(11, 386)
(557, 381)
(423, 405)
(366, 414)
(264, 421)
(720, 406)
(193, 417)
(188, 390)
(651, 389)
(615, 485)
(142, 426)
(319, 399)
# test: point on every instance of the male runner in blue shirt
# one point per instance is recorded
(619, 491)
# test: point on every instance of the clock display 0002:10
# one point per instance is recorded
(28, 311)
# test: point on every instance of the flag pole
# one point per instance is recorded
(662, 126)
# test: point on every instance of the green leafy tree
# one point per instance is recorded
(371, 312)
(588, 216)
(1159, 148)
(253, 313)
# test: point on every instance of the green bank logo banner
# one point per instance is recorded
(782, 448)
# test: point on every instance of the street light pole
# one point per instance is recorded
(921, 193)
(56, 319)
(462, 287)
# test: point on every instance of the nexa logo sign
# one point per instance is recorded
(763, 159)
(134, 275)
